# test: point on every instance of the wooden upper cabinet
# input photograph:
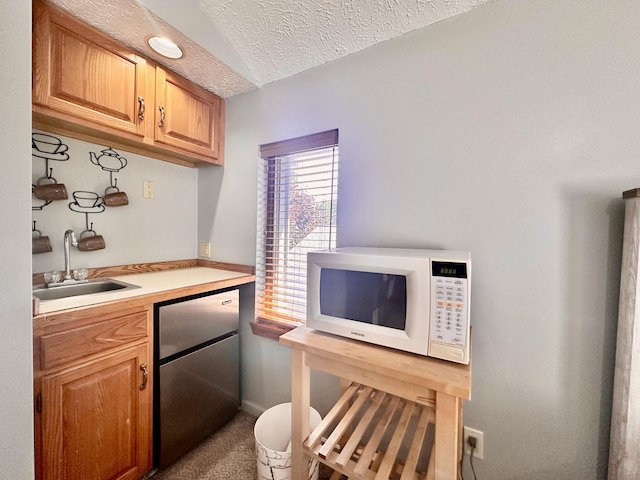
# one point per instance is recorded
(83, 73)
(187, 116)
(88, 86)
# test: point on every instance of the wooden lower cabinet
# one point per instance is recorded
(93, 415)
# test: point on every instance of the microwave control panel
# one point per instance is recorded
(449, 326)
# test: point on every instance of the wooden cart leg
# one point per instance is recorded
(448, 423)
(300, 404)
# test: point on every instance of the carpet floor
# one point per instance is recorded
(227, 454)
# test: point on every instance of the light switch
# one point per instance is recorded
(149, 189)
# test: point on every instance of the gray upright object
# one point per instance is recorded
(624, 449)
(198, 365)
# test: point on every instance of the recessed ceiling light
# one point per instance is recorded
(165, 47)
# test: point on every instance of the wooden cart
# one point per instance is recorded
(385, 393)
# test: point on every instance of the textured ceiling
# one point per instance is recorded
(232, 46)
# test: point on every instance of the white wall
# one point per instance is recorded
(510, 131)
(145, 230)
(16, 368)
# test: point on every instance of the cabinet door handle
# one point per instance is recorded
(141, 109)
(145, 376)
(161, 122)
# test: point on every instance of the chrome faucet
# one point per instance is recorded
(69, 240)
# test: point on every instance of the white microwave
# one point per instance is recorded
(408, 299)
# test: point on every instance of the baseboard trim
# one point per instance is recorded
(251, 408)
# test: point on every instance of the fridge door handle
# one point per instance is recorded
(145, 375)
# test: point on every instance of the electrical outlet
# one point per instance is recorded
(205, 249)
(149, 189)
(478, 452)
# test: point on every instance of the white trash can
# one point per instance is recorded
(272, 433)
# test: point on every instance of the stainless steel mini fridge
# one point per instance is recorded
(197, 387)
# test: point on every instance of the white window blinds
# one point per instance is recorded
(297, 198)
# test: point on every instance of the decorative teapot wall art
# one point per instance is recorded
(109, 161)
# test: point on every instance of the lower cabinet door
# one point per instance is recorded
(96, 422)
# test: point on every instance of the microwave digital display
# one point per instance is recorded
(449, 269)
(367, 297)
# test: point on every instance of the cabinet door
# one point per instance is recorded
(187, 116)
(96, 419)
(83, 73)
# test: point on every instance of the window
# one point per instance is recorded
(297, 196)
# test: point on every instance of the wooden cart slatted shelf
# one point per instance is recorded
(387, 395)
(350, 436)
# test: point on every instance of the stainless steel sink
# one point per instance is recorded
(98, 285)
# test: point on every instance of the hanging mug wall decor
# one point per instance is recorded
(88, 203)
(89, 241)
(48, 188)
(113, 197)
(39, 243)
(110, 161)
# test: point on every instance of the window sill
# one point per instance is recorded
(271, 329)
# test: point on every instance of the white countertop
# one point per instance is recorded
(151, 282)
